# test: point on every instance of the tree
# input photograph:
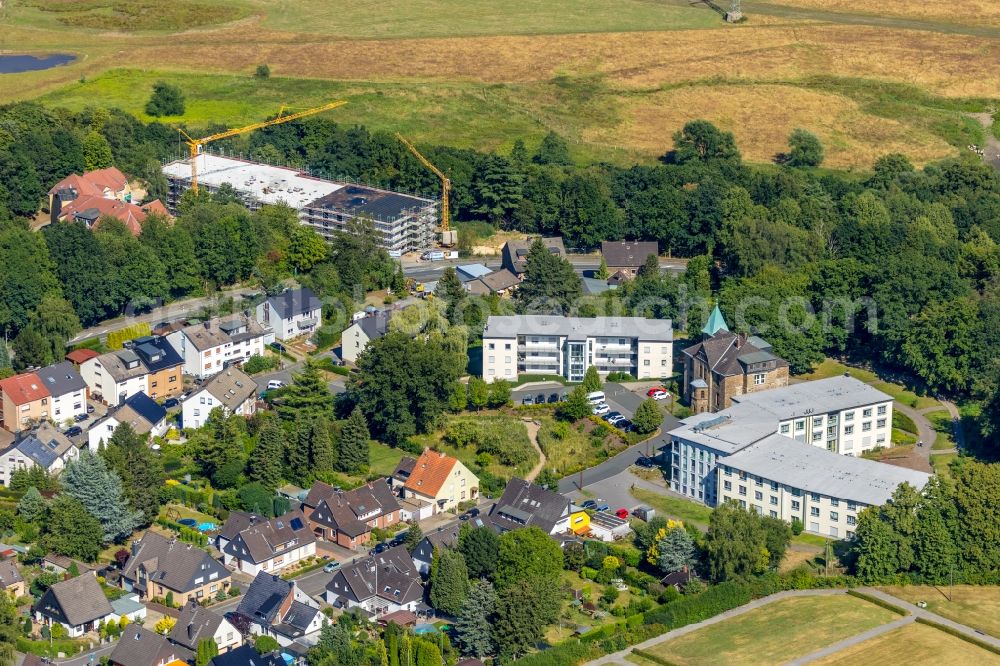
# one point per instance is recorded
(592, 379)
(89, 480)
(523, 610)
(700, 140)
(496, 189)
(458, 398)
(527, 554)
(575, 407)
(255, 498)
(450, 288)
(207, 649)
(806, 150)
(71, 530)
(265, 644)
(602, 270)
(321, 452)
(474, 625)
(31, 349)
(164, 626)
(414, 535)
(166, 100)
(588, 213)
(262, 72)
(96, 152)
(479, 392)
(481, 547)
(676, 551)
(500, 393)
(352, 455)
(647, 417)
(128, 455)
(31, 507)
(549, 281)
(553, 150)
(874, 548)
(308, 396)
(297, 448)
(266, 461)
(735, 543)
(449, 581)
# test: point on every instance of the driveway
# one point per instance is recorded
(616, 491)
(618, 463)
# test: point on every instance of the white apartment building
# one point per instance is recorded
(233, 391)
(67, 391)
(209, 347)
(840, 415)
(786, 479)
(115, 376)
(292, 313)
(567, 346)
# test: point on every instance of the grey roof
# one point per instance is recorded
(515, 252)
(75, 602)
(293, 302)
(173, 564)
(195, 623)
(397, 578)
(728, 430)
(9, 573)
(728, 354)
(500, 280)
(510, 326)
(121, 365)
(262, 600)
(442, 537)
(232, 387)
(237, 522)
(217, 332)
(828, 395)
(596, 286)
(813, 469)
(246, 655)
(468, 272)
(526, 504)
(156, 353)
(44, 445)
(142, 647)
(128, 604)
(295, 622)
(362, 201)
(374, 325)
(61, 378)
(632, 254)
(404, 468)
(264, 539)
(349, 512)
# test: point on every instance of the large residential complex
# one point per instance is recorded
(785, 479)
(841, 415)
(567, 346)
(402, 222)
(726, 364)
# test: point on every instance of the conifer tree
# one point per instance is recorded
(266, 461)
(321, 452)
(354, 439)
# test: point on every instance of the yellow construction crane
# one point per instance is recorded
(195, 145)
(448, 237)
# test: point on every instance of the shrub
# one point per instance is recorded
(698, 607)
(257, 363)
(166, 100)
(505, 439)
(797, 526)
(263, 71)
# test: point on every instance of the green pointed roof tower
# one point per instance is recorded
(716, 322)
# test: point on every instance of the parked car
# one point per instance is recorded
(658, 393)
(622, 513)
(464, 517)
(624, 425)
(589, 504)
(90, 409)
(601, 507)
(398, 540)
(613, 417)
(600, 409)
(528, 400)
(277, 346)
(380, 548)
(74, 431)
(80, 418)
(171, 403)
(643, 461)
(554, 397)
(540, 399)
(331, 566)
(473, 512)
(275, 384)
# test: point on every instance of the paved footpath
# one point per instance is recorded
(913, 613)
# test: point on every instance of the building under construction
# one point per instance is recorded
(402, 222)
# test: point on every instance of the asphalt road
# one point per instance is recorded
(428, 271)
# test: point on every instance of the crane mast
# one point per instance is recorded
(448, 237)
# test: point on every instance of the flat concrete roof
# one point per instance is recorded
(264, 183)
(510, 326)
(815, 470)
(832, 394)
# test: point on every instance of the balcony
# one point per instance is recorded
(549, 345)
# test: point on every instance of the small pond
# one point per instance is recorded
(15, 63)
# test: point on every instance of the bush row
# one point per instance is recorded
(959, 634)
(878, 602)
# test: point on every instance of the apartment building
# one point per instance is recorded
(401, 222)
(292, 313)
(840, 414)
(115, 376)
(567, 346)
(215, 344)
(786, 479)
(56, 392)
(67, 391)
(231, 390)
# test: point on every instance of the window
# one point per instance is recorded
(757, 482)
(849, 430)
(851, 520)
(834, 501)
(852, 506)
(774, 514)
(849, 416)
(774, 500)
(850, 534)
(834, 516)
(818, 436)
(758, 495)
(880, 423)
(645, 349)
(866, 426)
(663, 362)
(202, 400)
(796, 505)
(727, 485)
(491, 346)
(784, 428)
(506, 359)
(493, 359)
(881, 410)
(758, 379)
(814, 497)
(645, 362)
(506, 346)
(173, 378)
(727, 471)
(153, 384)
(774, 486)
(800, 425)
(867, 412)
(814, 511)
(743, 490)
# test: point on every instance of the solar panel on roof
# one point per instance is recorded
(295, 523)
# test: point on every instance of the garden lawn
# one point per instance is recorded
(974, 605)
(912, 644)
(673, 507)
(467, 454)
(941, 421)
(832, 368)
(775, 633)
(383, 459)
(941, 463)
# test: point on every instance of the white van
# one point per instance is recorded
(595, 397)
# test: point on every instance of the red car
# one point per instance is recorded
(622, 513)
(657, 393)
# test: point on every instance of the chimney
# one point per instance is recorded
(190, 630)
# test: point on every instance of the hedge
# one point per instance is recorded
(688, 610)
(656, 659)
(570, 653)
(879, 602)
(959, 634)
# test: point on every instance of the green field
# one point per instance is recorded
(383, 459)
(775, 633)
(973, 605)
(905, 395)
(673, 507)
